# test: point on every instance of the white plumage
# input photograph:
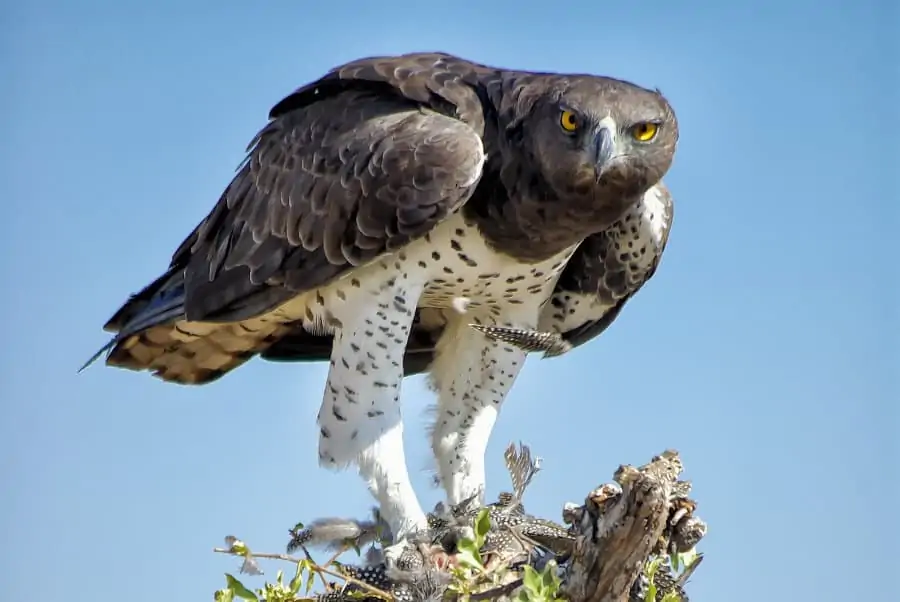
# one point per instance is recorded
(360, 417)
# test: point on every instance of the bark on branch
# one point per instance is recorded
(645, 512)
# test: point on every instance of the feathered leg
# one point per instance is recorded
(472, 374)
(360, 418)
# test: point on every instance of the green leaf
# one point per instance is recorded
(224, 595)
(239, 589)
(467, 558)
(652, 567)
(297, 581)
(310, 577)
(689, 558)
(549, 579)
(468, 552)
(482, 526)
(532, 580)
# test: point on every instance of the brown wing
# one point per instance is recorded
(355, 164)
(360, 162)
(326, 188)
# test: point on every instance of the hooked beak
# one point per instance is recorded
(605, 144)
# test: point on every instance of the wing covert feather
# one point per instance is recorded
(326, 187)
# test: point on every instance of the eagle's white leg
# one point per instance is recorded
(360, 418)
(472, 375)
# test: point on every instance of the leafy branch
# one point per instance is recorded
(306, 569)
(632, 540)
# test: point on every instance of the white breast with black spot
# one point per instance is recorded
(459, 263)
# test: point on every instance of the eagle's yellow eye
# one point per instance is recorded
(569, 121)
(644, 132)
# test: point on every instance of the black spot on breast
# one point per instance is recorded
(337, 413)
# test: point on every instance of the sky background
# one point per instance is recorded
(762, 350)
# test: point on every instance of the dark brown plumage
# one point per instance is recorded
(367, 158)
(374, 197)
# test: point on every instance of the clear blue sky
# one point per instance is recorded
(761, 349)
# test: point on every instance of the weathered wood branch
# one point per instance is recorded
(645, 512)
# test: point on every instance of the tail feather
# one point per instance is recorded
(160, 302)
(165, 308)
(151, 334)
(167, 287)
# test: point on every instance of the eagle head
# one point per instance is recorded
(598, 143)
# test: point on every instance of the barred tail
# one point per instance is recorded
(152, 334)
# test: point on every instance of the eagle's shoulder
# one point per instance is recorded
(442, 82)
(609, 268)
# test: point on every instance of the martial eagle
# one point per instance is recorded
(374, 197)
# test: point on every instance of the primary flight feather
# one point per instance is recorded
(374, 197)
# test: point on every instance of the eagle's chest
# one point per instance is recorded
(455, 261)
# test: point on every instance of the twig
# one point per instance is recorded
(316, 567)
(503, 590)
(294, 560)
(337, 554)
